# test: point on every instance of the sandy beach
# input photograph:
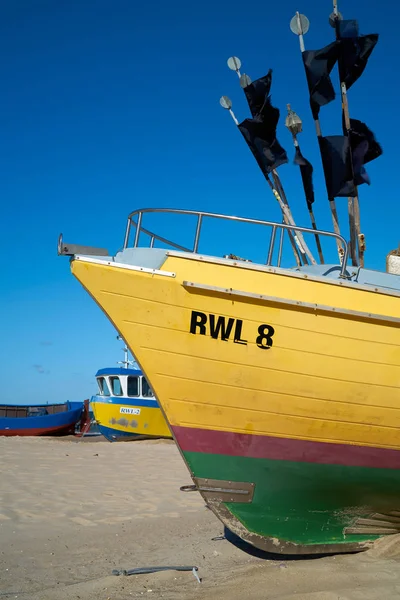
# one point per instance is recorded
(73, 511)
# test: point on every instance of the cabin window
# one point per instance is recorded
(103, 387)
(133, 386)
(116, 386)
(146, 389)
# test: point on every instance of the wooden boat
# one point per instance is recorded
(49, 419)
(281, 384)
(87, 425)
(125, 408)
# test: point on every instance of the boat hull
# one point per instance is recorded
(128, 419)
(307, 495)
(61, 423)
(287, 414)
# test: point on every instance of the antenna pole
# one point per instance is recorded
(126, 362)
(300, 31)
(300, 34)
(298, 236)
(357, 239)
(293, 242)
(294, 124)
(353, 204)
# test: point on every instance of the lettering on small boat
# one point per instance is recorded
(220, 327)
(126, 410)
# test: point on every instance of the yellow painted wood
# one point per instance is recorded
(326, 377)
(149, 422)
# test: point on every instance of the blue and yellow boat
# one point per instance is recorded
(125, 407)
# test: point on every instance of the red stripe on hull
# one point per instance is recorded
(64, 430)
(256, 446)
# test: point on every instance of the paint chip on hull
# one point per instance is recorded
(123, 422)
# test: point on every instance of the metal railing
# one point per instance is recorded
(202, 215)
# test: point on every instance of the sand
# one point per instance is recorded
(72, 511)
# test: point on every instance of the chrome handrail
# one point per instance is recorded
(155, 236)
(201, 215)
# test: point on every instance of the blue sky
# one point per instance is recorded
(111, 106)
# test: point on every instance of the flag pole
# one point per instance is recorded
(357, 239)
(298, 236)
(299, 25)
(234, 64)
(298, 250)
(294, 124)
(226, 103)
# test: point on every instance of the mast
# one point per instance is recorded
(268, 154)
(299, 26)
(277, 189)
(354, 51)
(353, 205)
(343, 156)
(294, 124)
(298, 250)
(357, 241)
(126, 362)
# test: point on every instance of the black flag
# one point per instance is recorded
(318, 65)
(364, 148)
(260, 135)
(306, 171)
(260, 131)
(336, 162)
(257, 93)
(361, 135)
(344, 157)
(355, 51)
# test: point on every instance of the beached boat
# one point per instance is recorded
(87, 426)
(49, 419)
(125, 408)
(281, 385)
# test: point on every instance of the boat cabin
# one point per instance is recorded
(128, 383)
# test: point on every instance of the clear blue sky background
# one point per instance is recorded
(107, 106)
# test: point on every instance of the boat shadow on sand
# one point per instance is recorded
(383, 548)
(232, 538)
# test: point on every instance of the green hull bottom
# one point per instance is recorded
(299, 507)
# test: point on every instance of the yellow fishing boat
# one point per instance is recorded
(125, 407)
(281, 385)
